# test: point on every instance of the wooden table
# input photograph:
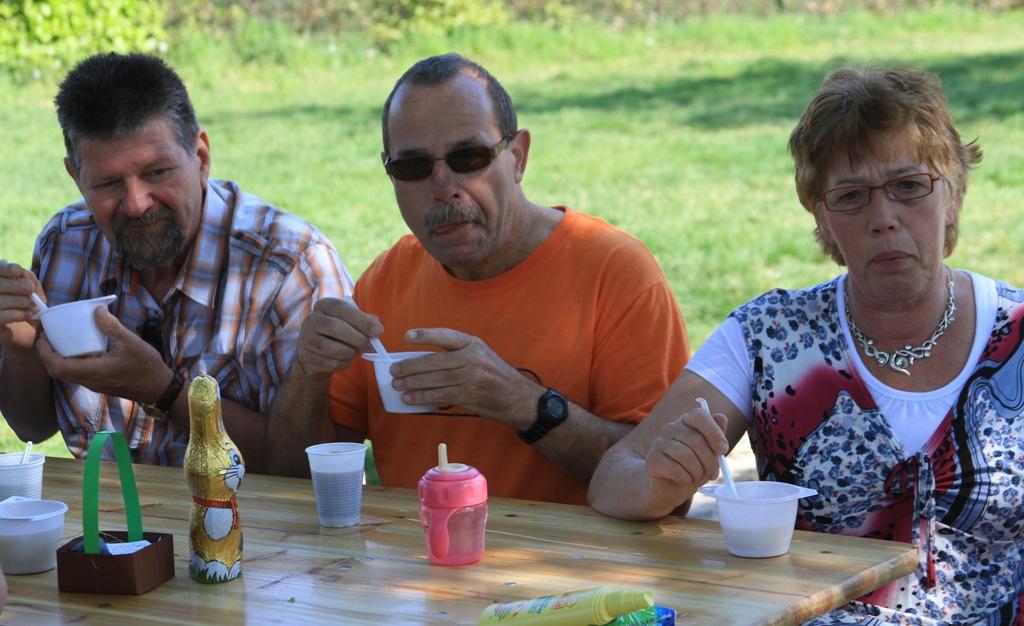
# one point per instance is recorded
(377, 573)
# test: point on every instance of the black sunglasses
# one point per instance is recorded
(461, 160)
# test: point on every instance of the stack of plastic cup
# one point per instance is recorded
(21, 479)
(337, 470)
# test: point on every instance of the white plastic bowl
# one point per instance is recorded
(30, 531)
(760, 523)
(391, 397)
(71, 327)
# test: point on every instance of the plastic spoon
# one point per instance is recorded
(722, 465)
(376, 343)
(39, 302)
(28, 449)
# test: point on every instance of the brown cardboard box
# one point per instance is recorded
(131, 574)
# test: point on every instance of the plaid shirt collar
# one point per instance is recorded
(198, 278)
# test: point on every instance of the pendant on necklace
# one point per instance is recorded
(901, 363)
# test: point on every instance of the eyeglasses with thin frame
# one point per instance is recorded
(900, 189)
(460, 160)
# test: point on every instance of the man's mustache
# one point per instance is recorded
(454, 213)
(149, 217)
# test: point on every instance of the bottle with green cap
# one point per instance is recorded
(599, 605)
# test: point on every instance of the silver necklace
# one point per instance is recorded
(902, 359)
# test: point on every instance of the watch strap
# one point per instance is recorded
(162, 407)
(545, 421)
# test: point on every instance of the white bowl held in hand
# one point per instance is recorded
(391, 397)
(71, 327)
(760, 523)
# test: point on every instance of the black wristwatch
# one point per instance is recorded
(161, 409)
(552, 410)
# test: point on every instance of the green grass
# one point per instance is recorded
(676, 133)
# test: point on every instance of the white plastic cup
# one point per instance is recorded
(391, 397)
(760, 523)
(71, 327)
(337, 470)
(30, 530)
(18, 479)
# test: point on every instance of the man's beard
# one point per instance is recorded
(454, 213)
(150, 246)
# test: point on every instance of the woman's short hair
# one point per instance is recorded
(855, 110)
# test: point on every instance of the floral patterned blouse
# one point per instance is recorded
(959, 499)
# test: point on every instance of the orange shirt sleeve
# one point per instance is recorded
(642, 348)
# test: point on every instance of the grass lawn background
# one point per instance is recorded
(675, 133)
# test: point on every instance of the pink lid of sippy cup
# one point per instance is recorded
(451, 485)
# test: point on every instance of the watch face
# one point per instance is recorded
(555, 406)
(154, 411)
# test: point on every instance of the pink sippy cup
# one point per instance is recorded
(453, 510)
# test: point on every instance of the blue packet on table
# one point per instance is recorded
(651, 616)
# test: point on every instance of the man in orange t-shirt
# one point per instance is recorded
(554, 332)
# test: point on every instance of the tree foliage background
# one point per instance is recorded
(40, 38)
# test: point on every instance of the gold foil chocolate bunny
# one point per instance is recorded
(214, 470)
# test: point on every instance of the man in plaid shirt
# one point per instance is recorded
(208, 279)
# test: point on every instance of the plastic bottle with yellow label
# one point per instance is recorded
(599, 605)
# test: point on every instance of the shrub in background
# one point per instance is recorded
(387, 24)
(619, 13)
(392, 20)
(382, 22)
(44, 37)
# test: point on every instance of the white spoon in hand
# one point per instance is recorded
(376, 343)
(722, 465)
(39, 301)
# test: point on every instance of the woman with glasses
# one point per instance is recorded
(894, 389)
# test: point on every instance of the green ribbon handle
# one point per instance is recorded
(91, 490)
